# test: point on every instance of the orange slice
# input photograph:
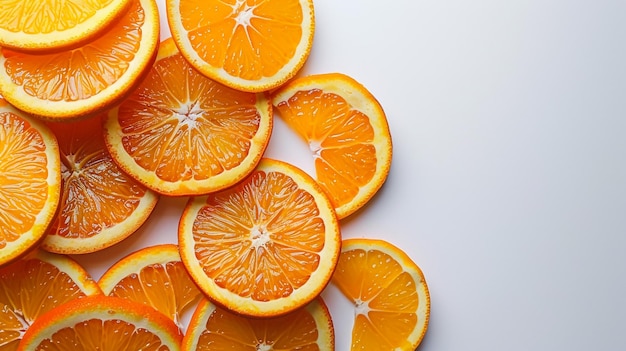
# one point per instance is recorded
(389, 292)
(102, 323)
(251, 45)
(214, 328)
(347, 132)
(45, 25)
(265, 246)
(30, 181)
(100, 204)
(181, 133)
(82, 81)
(35, 284)
(154, 276)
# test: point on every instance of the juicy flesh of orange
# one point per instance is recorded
(28, 288)
(95, 193)
(340, 139)
(107, 335)
(49, 16)
(177, 114)
(83, 72)
(23, 174)
(167, 287)
(228, 331)
(229, 33)
(384, 294)
(260, 239)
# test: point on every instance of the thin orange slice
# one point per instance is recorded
(347, 132)
(102, 323)
(30, 181)
(154, 276)
(265, 246)
(181, 133)
(100, 204)
(32, 286)
(389, 292)
(45, 25)
(251, 45)
(213, 328)
(82, 81)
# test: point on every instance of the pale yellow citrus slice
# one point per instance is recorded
(181, 133)
(88, 79)
(308, 328)
(347, 132)
(251, 45)
(30, 181)
(265, 246)
(155, 276)
(389, 292)
(35, 284)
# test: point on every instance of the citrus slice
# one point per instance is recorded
(181, 133)
(251, 45)
(265, 246)
(389, 292)
(30, 181)
(45, 25)
(35, 284)
(347, 132)
(102, 323)
(100, 204)
(154, 276)
(214, 328)
(82, 81)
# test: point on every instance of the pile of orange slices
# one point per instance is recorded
(99, 119)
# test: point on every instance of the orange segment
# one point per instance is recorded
(265, 246)
(181, 133)
(251, 45)
(213, 328)
(100, 204)
(102, 323)
(389, 292)
(154, 276)
(347, 131)
(48, 24)
(30, 181)
(35, 284)
(87, 79)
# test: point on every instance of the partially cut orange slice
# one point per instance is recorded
(389, 292)
(251, 45)
(214, 328)
(30, 181)
(181, 133)
(88, 79)
(265, 246)
(347, 132)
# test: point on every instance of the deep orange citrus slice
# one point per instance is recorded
(265, 246)
(181, 133)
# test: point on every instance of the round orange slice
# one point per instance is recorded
(35, 284)
(100, 205)
(102, 323)
(251, 45)
(214, 328)
(46, 25)
(181, 133)
(389, 292)
(155, 276)
(88, 79)
(30, 181)
(347, 132)
(265, 246)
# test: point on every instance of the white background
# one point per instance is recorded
(508, 180)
